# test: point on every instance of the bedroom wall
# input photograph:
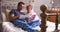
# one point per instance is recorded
(38, 3)
(48, 3)
(10, 4)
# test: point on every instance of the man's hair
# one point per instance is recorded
(21, 3)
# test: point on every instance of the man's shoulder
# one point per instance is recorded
(12, 10)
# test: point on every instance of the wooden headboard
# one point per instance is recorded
(51, 15)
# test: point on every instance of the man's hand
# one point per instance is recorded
(26, 18)
(12, 16)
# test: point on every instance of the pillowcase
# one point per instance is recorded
(7, 14)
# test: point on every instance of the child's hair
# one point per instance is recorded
(29, 6)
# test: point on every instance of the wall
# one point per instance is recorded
(38, 3)
(56, 3)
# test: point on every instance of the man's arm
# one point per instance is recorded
(12, 16)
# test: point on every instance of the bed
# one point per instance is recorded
(9, 27)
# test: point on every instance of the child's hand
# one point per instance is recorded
(26, 18)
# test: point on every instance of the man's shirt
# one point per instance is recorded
(16, 12)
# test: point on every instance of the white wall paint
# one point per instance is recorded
(38, 3)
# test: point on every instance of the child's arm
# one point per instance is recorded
(32, 17)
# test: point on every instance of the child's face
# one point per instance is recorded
(29, 9)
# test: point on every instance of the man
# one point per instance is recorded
(18, 19)
(16, 15)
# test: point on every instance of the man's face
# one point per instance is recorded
(21, 6)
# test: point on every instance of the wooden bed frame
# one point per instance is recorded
(51, 15)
